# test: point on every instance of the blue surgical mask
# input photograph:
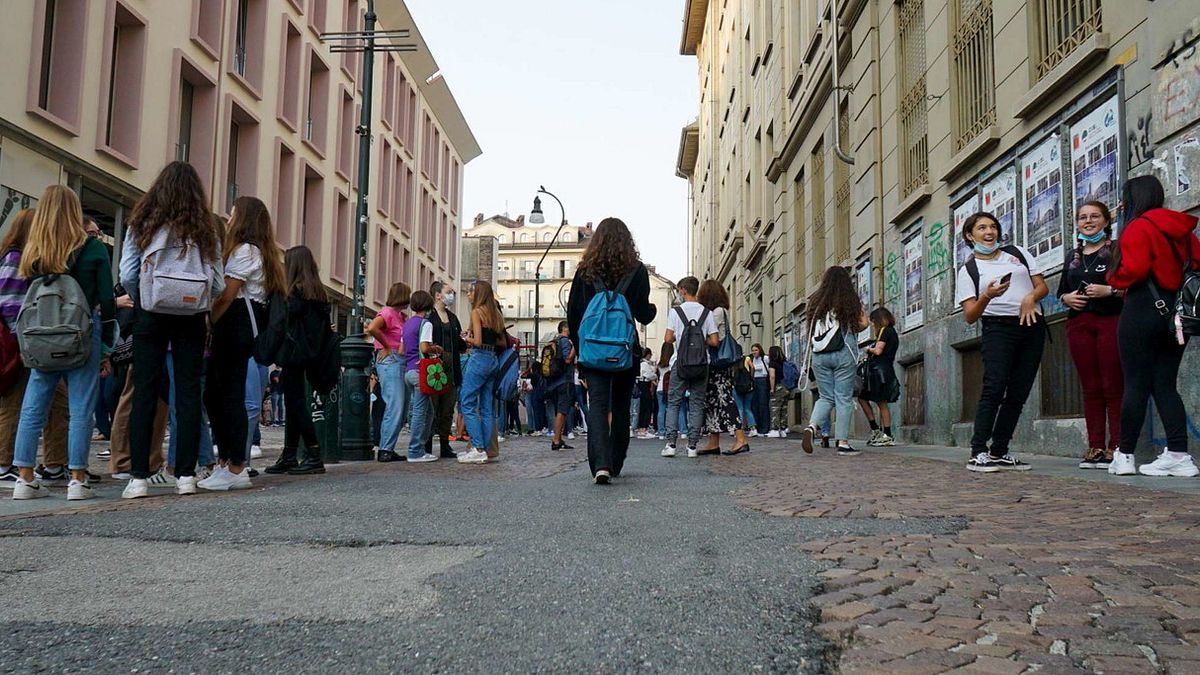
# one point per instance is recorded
(449, 300)
(986, 250)
(1092, 239)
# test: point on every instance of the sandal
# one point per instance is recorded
(709, 451)
(739, 450)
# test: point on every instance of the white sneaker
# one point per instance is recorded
(255, 452)
(122, 475)
(1122, 464)
(223, 479)
(137, 488)
(669, 451)
(885, 441)
(473, 456)
(30, 489)
(1166, 465)
(500, 438)
(185, 485)
(783, 433)
(693, 453)
(772, 434)
(753, 433)
(874, 438)
(162, 479)
(77, 490)
(571, 436)
(202, 473)
(217, 472)
(423, 458)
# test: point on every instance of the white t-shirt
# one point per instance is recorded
(426, 334)
(662, 374)
(692, 310)
(760, 366)
(1021, 284)
(246, 265)
(648, 371)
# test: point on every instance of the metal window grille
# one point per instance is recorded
(914, 394)
(818, 206)
(841, 172)
(1059, 26)
(1061, 394)
(914, 122)
(973, 71)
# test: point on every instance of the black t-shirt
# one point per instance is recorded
(891, 343)
(1092, 269)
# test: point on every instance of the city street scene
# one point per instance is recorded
(671, 336)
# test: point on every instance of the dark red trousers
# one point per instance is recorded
(1093, 342)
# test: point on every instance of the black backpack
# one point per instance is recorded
(692, 355)
(743, 381)
(270, 339)
(1187, 298)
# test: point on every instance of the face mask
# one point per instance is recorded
(449, 300)
(1092, 239)
(986, 250)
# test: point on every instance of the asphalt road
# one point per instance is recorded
(396, 569)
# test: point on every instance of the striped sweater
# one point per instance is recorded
(12, 286)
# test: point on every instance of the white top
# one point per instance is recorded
(692, 310)
(720, 319)
(1021, 284)
(760, 366)
(246, 265)
(426, 334)
(662, 375)
(648, 371)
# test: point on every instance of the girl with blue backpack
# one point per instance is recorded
(610, 290)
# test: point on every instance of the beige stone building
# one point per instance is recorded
(934, 109)
(103, 93)
(520, 246)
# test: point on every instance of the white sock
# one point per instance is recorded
(1177, 456)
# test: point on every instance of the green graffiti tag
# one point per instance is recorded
(938, 259)
(891, 277)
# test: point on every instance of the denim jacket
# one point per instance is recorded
(130, 269)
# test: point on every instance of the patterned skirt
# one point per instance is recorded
(720, 410)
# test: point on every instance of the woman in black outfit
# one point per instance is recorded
(611, 256)
(1152, 251)
(881, 371)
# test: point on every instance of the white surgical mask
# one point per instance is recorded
(449, 300)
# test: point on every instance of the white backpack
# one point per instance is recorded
(174, 279)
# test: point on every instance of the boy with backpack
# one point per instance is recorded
(692, 329)
(557, 356)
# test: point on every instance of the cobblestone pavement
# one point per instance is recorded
(1046, 575)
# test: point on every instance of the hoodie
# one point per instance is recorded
(1159, 242)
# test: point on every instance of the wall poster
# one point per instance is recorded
(1041, 191)
(914, 297)
(999, 197)
(1094, 143)
(959, 217)
(862, 281)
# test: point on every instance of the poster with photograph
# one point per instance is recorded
(1094, 143)
(998, 196)
(1041, 192)
(862, 283)
(959, 216)
(914, 297)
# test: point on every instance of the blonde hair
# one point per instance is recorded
(56, 232)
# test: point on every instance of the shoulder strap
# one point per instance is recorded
(703, 317)
(1015, 252)
(682, 314)
(973, 272)
(624, 285)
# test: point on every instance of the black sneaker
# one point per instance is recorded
(51, 476)
(847, 451)
(560, 446)
(824, 441)
(982, 463)
(389, 456)
(94, 477)
(8, 478)
(1009, 463)
(1093, 459)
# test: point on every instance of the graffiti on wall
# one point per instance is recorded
(939, 262)
(1177, 88)
(891, 278)
(1140, 147)
(12, 201)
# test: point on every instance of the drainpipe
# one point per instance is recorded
(837, 88)
(877, 114)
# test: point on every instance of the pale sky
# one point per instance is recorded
(586, 98)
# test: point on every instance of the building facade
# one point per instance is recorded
(104, 93)
(520, 246)
(934, 109)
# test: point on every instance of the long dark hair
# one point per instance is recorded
(303, 275)
(1141, 194)
(251, 224)
(712, 295)
(176, 199)
(610, 254)
(18, 232)
(882, 317)
(483, 299)
(836, 294)
(776, 355)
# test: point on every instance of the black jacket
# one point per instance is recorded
(637, 295)
(448, 335)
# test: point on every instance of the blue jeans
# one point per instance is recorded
(835, 381)
(661, 427)
(83, 388)
(581, 399)
(207, 458)
(422, 420)
(277, 407)
(391, 378)
(745, 406)
(256, 389)
(478, 406)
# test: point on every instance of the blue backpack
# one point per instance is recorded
(506, 377)
(791, 375)
(607, 333)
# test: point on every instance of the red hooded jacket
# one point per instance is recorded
(1144, 249)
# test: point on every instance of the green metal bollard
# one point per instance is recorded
(354, 404)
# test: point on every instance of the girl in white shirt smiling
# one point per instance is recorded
(1003, 286)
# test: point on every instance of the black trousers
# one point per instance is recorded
(762, 404)
(299, 425)
(225, 388)
(608, 443)
(1012, 355)
(1150, 359)
(186, 335)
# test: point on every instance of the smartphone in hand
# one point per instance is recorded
(1006, 278)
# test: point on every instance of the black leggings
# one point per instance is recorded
(1150, 358)
(608, 443)
(1012, 354)
(299, 425)
(225, 386)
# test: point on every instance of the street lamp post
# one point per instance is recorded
(354, 414)
(536, 217)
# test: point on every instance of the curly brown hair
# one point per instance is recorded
(176, 199)
(610, 254)
(712, 295)
(836, 294)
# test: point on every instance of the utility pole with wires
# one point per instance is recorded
(355, 405)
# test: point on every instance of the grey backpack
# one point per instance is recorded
(54, 326)
(174, 279)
